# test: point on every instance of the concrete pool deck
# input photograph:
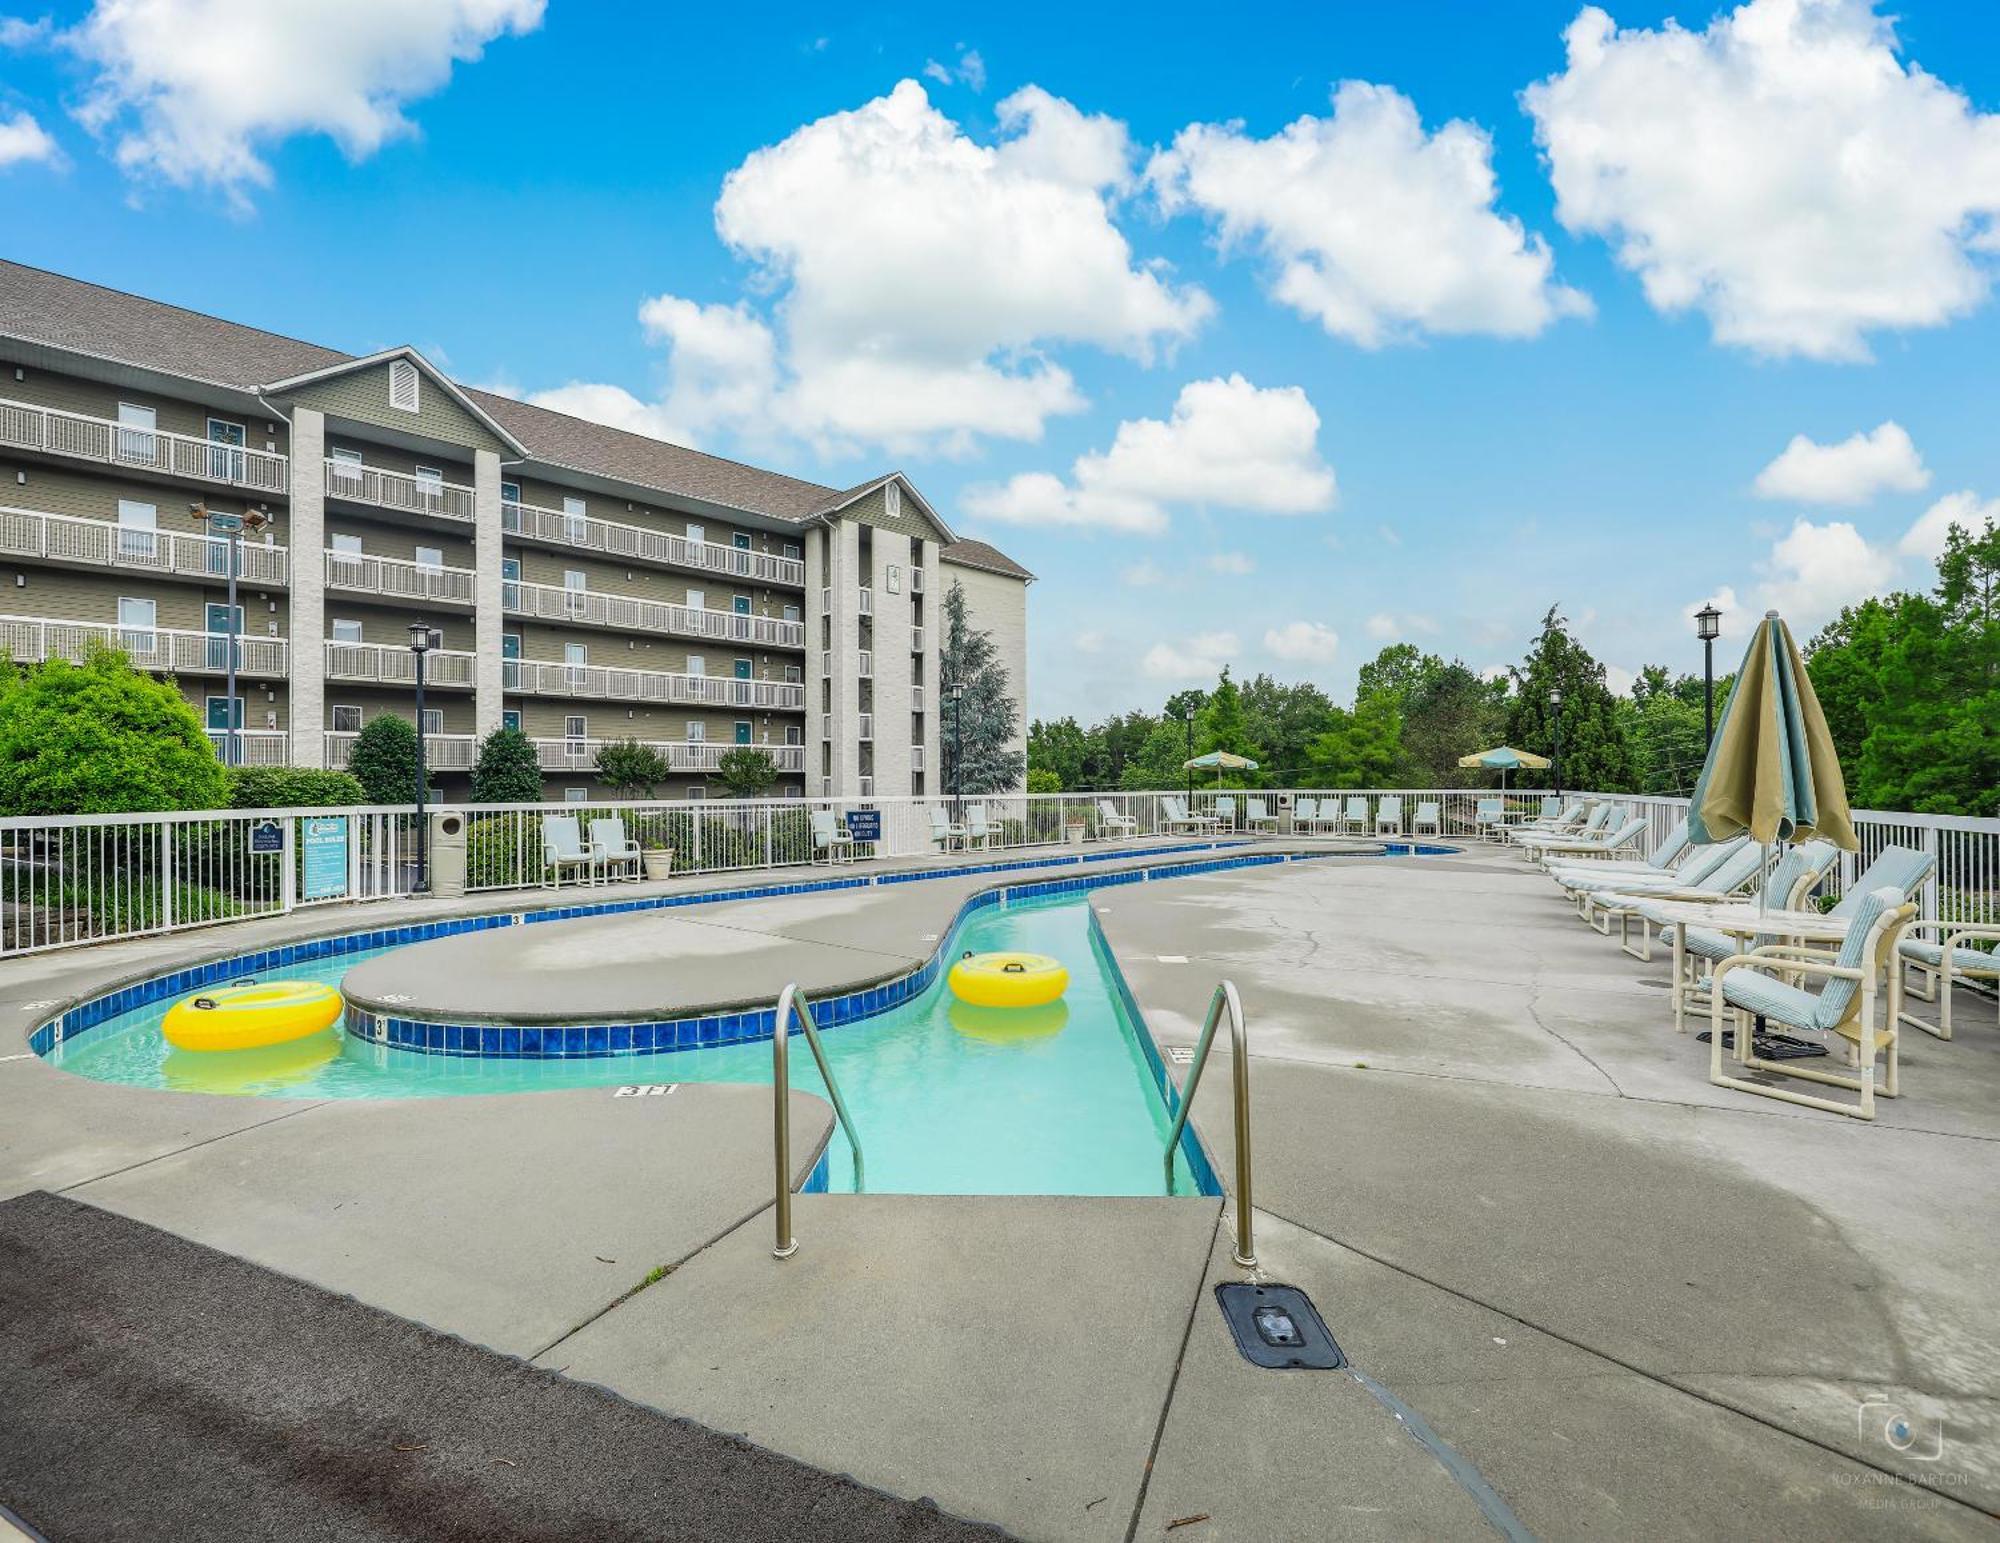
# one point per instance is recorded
(1636, 1304)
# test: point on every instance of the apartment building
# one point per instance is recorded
(583, 584)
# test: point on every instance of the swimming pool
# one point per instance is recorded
(946, 1099)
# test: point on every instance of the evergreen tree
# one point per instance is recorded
(1285, 720)
(982, 723)
(1360, 749)
(1593, 750)
(384, 759)
(508, 771)
(1449, 712)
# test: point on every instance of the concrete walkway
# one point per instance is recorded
(1619, 1302)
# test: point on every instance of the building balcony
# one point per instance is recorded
(442, 752)
(917, 700)
(864, 664)
(392, 664)
(256, 747)
(627, 613)
(396, 578)
(917, 638)
(71, 542)
(384, 489)
(534, 677)
(695, 756)
(916, 758)
(635, 543)
(864, 726)
(916, 580)
(864, 602)
(34, 640)
(55, 432)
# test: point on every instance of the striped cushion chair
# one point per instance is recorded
(1798, 873)
(1844, 1005)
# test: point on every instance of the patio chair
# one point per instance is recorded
(943, 831)
(1488, 815)
(1566, 819)
(1111, 823)
(1305, 816)
(1593, 825)
(1260, 815)
(1354, 817)
(1427, 816)
(1626, 899)
(564, 850)
(1626, 835)
(1389, 815)
(830, 839)
(1174, 816)
(615, 848)
(1748, 986)
(1799, 872)
(977, 832)
(1225, 813)
(1955, 955)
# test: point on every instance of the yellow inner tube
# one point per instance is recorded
(1008, 980)
(251, 1016)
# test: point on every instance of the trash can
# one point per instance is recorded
(447, 856)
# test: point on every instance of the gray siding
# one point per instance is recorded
(362, 396)
(175, 414)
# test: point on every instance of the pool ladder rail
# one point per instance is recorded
(1224, 1001)
(792, 1004)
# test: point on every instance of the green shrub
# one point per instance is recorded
(101, 738)
(745, 772)
(384, 759)
(630, 769)
(1042, 780)
(502, 849)
(292, 787)
(509, 770)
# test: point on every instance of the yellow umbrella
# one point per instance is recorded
(1504, 758)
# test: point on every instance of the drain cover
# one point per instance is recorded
(1277, 1327)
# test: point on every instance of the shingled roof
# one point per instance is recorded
(66, 313)
(977, 554)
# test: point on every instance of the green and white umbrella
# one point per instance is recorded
(1503, 759)
(1221, 760)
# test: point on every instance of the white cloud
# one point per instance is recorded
(193, 91)
(1783, 171)
(1925, 538)
(1200, 657)
(23, 142)
(1814, 571)
(1144, 574)
(920, 276)
(19, 32)
(1851, 472)
(1389, 535)
(1228, 444)
(970, 68)
(1381, 626)
(1235, 564)
(1088, 642)
(1618, 680)
(1307, 642)
(1373, 228)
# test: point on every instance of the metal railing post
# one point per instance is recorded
(1225, 998)
(792, 1004)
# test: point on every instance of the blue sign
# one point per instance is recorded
(267, 836)
(323, 843)
(864, 824)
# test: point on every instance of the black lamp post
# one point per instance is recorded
(1708, 627)
(955, 690)
(231, 527)
(1556, 758)
(422, 641)
(1188, 718)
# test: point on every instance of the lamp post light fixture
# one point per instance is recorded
(1556, 757)
(955, 691)
(231, 528)
(1708, 627)
(1188, 718)
(422, 640)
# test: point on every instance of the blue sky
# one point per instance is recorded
(1418, 406)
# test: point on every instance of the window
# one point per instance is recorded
(791, 613)
(576, 795)
(795, 674)
(576, 726)
(697, 793)
(346, 457)
(792, 551)
(697, 599)
(575, 578)
(574, 584)
(510, 492)
(350, 544)
(346, 631)
(137, 527)
(344, 474)
(575, 526)
(135, 624)
(697, 534)
(430, 486)
(575, 657)
(697, 665)
(135, 439)
(892, 499)
(895, 579)
(430, 557)
(433, 720)
(697, 732)
(347, 720)
(225, 461)
(794, 735)
(740, 540)
(403, 386)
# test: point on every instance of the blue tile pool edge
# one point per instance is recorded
(568, 1041)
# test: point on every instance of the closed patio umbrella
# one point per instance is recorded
(1772, 773)
(1503, 759)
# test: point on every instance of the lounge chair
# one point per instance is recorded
(1110, 823)
(1389, 815)
(1743, 864)
(1354, 817)
(564, 850)
(1567, 819)
(615, 848)
(1305, 815)
(977, 832)
(1629, 834)
(943, 831)
(1174, 816)
(1225, 813)
(1489, 815)
(1260, 815)
(1427, 817)
(1749, 986)
(1669, 854)
(1594, 824)
(830, 839)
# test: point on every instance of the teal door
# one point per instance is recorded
(742, 733)
(221, 626)
(742, 669)
(741, 605)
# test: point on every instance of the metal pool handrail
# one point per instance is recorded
(792, 1003)
(1245, 1252)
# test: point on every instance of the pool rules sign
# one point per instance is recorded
(323, 857)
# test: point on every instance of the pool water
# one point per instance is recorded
(947, 1099)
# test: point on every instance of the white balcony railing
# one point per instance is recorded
(442, 752)
(535, 677)
(386, 489)
(255, 747)
(916, 640)
(62, 538)
(33, 640)
(864, 725)
(628, 613)
(916, 699)
(916, 581)
(387, 664)
(580, 755)
(617, 539)
(99, 439)
(864, 604)
(864, 664)
(916, 758)
(826, 662)
(398, 578)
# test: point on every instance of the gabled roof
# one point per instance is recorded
(836, 502)
(436, 376)
(977, 554)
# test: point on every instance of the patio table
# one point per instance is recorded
(1739, 919)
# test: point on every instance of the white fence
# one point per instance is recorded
(90, 878)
